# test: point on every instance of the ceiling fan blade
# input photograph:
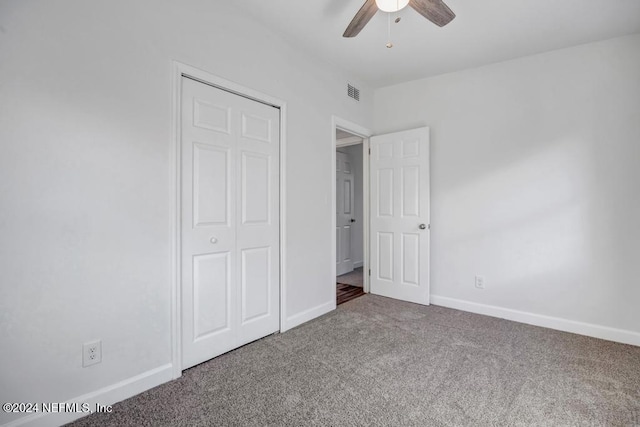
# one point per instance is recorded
(434, 10)
(363, 16)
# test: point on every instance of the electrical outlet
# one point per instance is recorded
(91, 353)
(480, 282)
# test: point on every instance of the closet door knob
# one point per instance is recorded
(213, 240)
(422, 226)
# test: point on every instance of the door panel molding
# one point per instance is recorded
(180, 70)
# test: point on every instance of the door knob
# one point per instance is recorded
(353, 220)
(422, 226)
(213, 240)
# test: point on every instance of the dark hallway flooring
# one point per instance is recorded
(350, 285)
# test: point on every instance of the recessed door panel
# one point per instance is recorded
(385, 256)
(411, 191)
(410, 259)
(347, 167)
(210, 185)
(385, 192)
(411, 147)
(385, 150)
(207, 115)
(347, 197)
(256, 284)
(256, 177)
(346, 243)
(258, 128)
(211, 286)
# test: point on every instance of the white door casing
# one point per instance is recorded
(399, 178)
(344, 213)
(230, 221)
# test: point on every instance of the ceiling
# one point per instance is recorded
(483, 32)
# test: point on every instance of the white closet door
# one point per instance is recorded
(344, 213)
(399, 238)
(230, 221)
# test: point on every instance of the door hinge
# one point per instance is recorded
(369, 151)
(369, 272)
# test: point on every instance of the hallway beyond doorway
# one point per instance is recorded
(349, 286)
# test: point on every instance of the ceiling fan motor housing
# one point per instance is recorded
(391, 5)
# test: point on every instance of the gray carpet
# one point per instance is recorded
(377, 361)
(353, 278)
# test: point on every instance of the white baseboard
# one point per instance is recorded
(358, 264)
(312, 313)
(588, 329)
(105, 396)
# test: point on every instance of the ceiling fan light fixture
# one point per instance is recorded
(391, 5)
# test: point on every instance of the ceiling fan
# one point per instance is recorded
(434, 10)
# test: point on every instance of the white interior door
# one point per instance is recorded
(399, 227)
(344, 213)
(230, 221)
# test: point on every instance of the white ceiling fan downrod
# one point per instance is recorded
(389, 43)
(391, 6)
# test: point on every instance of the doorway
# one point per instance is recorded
(396, 210)
(350, 219)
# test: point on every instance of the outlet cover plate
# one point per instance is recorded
(91, 353)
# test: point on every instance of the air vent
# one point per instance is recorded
(353, 92)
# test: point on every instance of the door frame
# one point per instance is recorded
(364, 133)
(180, 70)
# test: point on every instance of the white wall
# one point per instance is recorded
(535, 176)
(86, 184)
